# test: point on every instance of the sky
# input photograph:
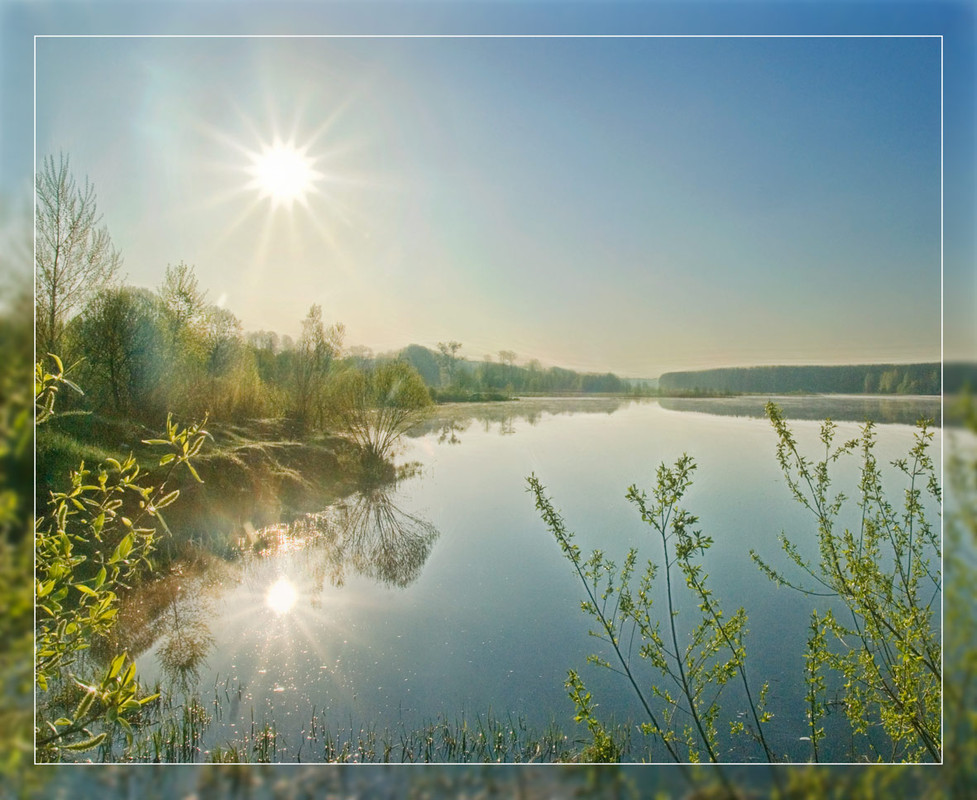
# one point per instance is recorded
(636, 205)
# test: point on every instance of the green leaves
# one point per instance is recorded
(886, 660)
(87, 545)
(694, 669)
(47, 385)
(603, 748)
(377, 406)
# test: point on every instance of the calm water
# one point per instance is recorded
(447, 595)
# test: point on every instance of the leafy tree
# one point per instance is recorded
(882, 657)
(74, 254)
(507, 358)
(223, 337)
(681, 707)
(424, 361)
(377, 406)
(182, 297)
(121, 337)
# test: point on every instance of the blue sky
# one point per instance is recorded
(638, 205)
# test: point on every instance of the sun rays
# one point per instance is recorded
(285, 174)
(287, 187)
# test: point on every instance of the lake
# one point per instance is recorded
(446, 595)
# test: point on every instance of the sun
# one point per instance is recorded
(281, 596)
(283, 173)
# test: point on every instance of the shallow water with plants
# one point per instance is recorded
(444, 597)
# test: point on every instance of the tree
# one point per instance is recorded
(106, 336)
(74, 253)
(885, 643)
(874, 648)
(378, 406)
(448, 361)
(680, 703)
(122, 339)
(185, 306)
(223, 336)
(182, 297)
(507, 358)
(316, 350)
(425, 361)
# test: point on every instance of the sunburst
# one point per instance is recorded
(284, 173)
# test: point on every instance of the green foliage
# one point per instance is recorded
(454, 379)
(886, 648)
(376, 407)
(692, 669)
(16, 543)
(47, 387)
(91, 542)
(424, 361)
(316, 351)
(183, 299)
(143, 353)
(448, 361)
(124, 343)
(883, 659)
(602, 749)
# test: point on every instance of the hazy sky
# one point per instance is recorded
(638, 205)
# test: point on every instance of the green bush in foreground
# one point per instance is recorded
(91, 541)
(886, 646)
(882, 657)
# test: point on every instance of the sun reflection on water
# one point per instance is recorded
(281, 596)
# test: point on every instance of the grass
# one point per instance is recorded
(177, 732)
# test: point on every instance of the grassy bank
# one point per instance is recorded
(252, 474)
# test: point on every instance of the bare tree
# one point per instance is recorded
(74, 255)
(317, 348)
(507, 358)
(447, 360)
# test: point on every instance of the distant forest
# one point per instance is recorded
(502, 375)
(855, 379)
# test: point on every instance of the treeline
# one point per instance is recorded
(142, 353)
(451, 377)
(855, 379)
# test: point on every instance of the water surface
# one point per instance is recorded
(446, 595)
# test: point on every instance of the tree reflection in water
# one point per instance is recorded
(448, 421)
(173, 614)
(185, 645)
(369, 535)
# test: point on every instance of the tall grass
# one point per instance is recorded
(177, 731)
